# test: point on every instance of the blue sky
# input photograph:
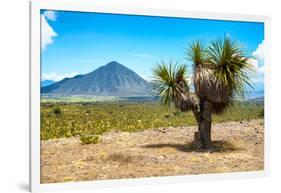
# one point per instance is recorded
(77, 43)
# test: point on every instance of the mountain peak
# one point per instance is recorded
(113, 79)
(113, 63)
(114, 66)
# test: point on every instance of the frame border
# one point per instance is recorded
(34, 93)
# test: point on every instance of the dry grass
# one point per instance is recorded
(154, 152)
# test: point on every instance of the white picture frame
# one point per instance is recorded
(87, 6)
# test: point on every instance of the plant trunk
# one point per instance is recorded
(205, 124)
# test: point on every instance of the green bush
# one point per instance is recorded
(261, 114)
(177, 113)
(89, 139)
(57, 111)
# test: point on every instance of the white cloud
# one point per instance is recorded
(87, 61)
(261, 69)
(142, 55)
(47, 32)
(257, 59)
(147, 77)
(259, 52)
(256, 64)
(259, 79)
(50, 15)
(57, 77)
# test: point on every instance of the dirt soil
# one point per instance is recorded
(239, 146)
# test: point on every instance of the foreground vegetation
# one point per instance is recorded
(79, 119)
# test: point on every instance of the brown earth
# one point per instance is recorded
(239, 146)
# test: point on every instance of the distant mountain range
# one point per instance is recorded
(258, 99)
(47, 83)
(113, 79)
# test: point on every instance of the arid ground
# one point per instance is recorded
(167, 151)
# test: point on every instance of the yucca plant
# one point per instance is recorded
(170, 82)
(220, 76)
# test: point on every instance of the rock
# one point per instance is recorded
(161, 157)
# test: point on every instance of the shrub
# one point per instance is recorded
(57, 111)
(177, 113)
(261, 113)
(89, 139)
